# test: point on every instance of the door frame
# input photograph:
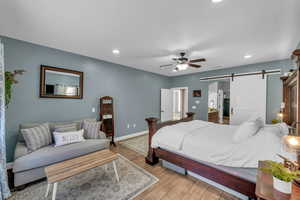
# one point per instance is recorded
(186, 98)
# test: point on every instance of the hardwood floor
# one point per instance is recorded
(171, 185)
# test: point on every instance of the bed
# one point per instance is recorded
(206, 149)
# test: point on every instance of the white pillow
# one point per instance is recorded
(247, 129)
(63, 138)
(280, 129)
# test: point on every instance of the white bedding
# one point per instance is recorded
(213, 143)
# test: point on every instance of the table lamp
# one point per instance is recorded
(292, 144)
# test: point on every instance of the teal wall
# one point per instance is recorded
(274, 86)
(136, 93)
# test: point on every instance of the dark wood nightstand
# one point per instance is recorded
(264, 186)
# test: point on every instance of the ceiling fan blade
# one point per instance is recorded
(198, 60)
(168, 65)
(193, 65)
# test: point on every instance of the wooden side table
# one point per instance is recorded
(264, 186)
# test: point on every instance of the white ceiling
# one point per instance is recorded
(149, 32)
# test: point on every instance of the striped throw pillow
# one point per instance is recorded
(91, 129)
(65, 127)
(37, 137)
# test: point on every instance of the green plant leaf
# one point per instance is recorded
(279, 171)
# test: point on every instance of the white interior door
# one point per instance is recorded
(247, 98)
(166, 104)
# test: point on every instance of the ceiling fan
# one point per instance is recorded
(182, 63)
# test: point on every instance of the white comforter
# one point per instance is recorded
(205, 141)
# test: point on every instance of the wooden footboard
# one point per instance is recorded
(154, 125)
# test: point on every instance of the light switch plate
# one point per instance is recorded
(93, 109)
(194, 107)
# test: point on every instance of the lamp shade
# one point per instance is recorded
(291, 143)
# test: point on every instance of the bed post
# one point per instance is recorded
(152, 124)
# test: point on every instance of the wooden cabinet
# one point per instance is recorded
(213, 117)
(291, 97)
(107, 117)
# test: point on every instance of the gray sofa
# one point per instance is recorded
(29, 167)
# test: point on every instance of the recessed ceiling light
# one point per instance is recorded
(116, 51)
(247, 56)
(216, 1)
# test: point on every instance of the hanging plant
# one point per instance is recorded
(9, 81)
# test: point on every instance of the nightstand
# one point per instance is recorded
(264, 186)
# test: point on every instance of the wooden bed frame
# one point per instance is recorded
(238, 184)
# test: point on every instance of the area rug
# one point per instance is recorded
(138, 144)
(98, 183)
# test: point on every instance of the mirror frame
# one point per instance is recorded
(42, 82)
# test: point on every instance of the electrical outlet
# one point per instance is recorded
(134, 125)
(93, 109)
(128, 126)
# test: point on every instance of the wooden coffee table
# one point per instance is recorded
(63, 170)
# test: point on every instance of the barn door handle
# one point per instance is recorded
(231, 111)
(162, 111)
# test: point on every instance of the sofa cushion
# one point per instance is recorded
(91, 129)
(37, 137)
(66, 127)
(49, 155)
(21, 150)
(52, 125)
(65, 138)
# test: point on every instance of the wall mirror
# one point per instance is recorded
(60, 83)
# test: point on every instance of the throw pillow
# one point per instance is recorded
(247, 129)
(63, 138)
(65, 127)
(37, 137)
(92, 129)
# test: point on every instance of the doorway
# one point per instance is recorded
(219, 102)
(180, 102)
(174, 103)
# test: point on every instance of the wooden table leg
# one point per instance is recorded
(116, 172)
(48, 189)
(54, 191)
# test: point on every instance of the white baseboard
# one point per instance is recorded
(9, 165)
(125, 137)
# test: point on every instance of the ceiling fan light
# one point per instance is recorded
(181, 67)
